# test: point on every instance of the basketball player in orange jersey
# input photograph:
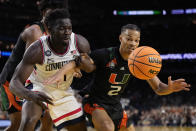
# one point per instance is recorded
(11, 103)
(102, 106)
(41, 60)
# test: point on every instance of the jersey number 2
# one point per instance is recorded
(115, 89)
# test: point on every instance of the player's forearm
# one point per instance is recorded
(163, 89)
(68, 68)
(87, 65)
(159, 87)
(17, 88)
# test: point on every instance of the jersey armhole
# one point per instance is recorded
(76, 43)
(42, 50)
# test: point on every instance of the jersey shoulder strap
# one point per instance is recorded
(111, 52)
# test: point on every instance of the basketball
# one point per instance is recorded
(144, 62)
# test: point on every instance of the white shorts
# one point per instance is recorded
(65, 111)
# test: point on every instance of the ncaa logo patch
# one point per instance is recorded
(48, 53)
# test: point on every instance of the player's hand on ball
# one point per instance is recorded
(178, 85)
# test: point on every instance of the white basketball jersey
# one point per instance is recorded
(52, 62)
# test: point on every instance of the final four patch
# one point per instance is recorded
(48, 53)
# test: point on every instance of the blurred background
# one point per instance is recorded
(167, 26)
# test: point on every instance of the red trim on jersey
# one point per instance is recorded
(76, 43)
(42, 50)
(45, 33)
(68, 114)
(28, 81)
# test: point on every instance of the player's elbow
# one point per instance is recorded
(89, 70)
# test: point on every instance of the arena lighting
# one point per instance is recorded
(178, 56)
(139, 12)
(5, 53)
(183, 11)
(184, 56)
(156, 12)
(177, 11)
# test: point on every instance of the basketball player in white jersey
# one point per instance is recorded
(43, 59)
(12, 104)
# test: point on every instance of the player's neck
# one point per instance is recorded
(57, 48)
(123, 54)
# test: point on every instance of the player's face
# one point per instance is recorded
(129, 40)
(61, 31)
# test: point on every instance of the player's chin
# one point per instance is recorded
(66, 41)
(129, 51)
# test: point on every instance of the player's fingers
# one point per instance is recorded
(42, 95)
(48, 81)
(53, 80)
(42, 105)
(185, 84)
(187, 89)
(180, 80)
(58, 84)
(47, 101)
(169, 78)
(79, 74)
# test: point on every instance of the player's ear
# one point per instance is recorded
(120, 37)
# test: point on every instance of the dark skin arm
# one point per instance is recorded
(28, 36)
(161, 88)
(83, 44)
(31, 34)
(32, 56)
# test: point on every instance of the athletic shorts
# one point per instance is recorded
(9, 102)
(119, 117)
(65, 111)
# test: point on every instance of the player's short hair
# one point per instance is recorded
(130, 27)
(52, 16)
(51, 4)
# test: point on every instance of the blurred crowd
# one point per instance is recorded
(6, 46)
(170, 111)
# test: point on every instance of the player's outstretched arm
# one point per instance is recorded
(83, 62)
(32, 56)
(173, 85)
(59, 75)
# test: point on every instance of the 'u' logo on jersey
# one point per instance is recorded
(112, 79)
